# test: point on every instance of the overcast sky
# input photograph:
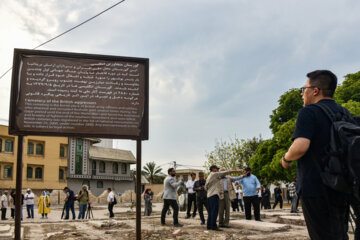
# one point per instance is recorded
(217, 68)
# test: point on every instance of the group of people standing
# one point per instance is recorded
(8, 200)
(215, 194)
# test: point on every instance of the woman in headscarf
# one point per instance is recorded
(148, 196)
(44, 205)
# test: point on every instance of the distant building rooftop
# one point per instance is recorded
(111, 154)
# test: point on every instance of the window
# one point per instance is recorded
(39, 149)
(7, 171)
(62, 151)
(93, 167)
(38, 173)
(0, 145)
(9, 145)
(115, 168)
(30, 148)
(29, 172)
(123, 168)
(79, 156)
(100, 184)
(61, 174)
(186, 177)
(102, 167)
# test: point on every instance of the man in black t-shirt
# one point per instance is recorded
(324, 209)
(278, 197)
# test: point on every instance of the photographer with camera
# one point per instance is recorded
(84, 200)
(251, 187)
(69, 202)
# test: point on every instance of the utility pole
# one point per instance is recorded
(174, 164)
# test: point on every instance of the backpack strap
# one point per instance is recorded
(328, 112)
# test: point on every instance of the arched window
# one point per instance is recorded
(0, 145)
(30, 148)
(29, 172)
(102, 167)
(115, 168)
(61, 174)
(38, 173)
(39, 149)
(100, 184)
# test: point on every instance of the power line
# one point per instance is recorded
(69, 30)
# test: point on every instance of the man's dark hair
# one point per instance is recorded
(325, 80)
(170, 169)
(66, 188)
(109, 189)
(193, 174)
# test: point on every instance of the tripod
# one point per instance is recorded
(62, 215)
(89, 214)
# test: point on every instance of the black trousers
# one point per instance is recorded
(278, 200)
(201, 202)
(12, 212)
(265, 203)
(213, 211)
(3, 213)
(110, 208)
(191, 200)
(325, 215)
(175, 207)
(254, 201)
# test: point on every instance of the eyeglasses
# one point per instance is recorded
(303, 88)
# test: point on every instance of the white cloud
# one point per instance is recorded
(216, 68)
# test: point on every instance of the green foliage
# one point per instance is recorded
(349, 89)
(353, 107)
(151, 172)
(289, 105)
(266, 162)
(232, 154)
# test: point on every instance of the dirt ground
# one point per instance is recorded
(275, 224)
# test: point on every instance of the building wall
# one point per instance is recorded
(50, 161)
(117, 186)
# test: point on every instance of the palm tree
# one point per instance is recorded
(151, 171)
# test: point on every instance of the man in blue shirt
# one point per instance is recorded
(251, 187)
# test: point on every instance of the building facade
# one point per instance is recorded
(99, 167)
(44, 161)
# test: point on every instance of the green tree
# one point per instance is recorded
(151, 172)
(232, 154)
(266, 162)
(289, 105)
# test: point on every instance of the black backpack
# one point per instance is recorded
(340, 165)
(115, 201)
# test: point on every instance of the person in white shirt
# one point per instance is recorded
(4, 205)
(191, 195)
(111, 202)
(29, 201)
(239, 197)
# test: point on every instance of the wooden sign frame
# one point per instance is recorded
(16, 90)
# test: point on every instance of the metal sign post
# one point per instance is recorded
(18, 199)
(138, 189)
